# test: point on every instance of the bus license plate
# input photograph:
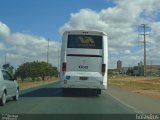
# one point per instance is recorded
(83, 78)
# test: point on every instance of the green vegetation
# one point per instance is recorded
(135, 85)
(36, 70)
(30, 83)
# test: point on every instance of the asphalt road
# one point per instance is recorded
(48, 99)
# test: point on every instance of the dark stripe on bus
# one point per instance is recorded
(83, 55)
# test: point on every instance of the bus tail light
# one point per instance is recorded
(103, 69)
(64, 65)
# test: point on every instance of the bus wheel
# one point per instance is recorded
(64, 91)
(97, 92)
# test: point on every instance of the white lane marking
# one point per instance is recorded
(122, 102)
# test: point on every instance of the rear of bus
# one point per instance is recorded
(84, 60)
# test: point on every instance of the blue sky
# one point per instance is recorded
(26, 26)
(43, 17)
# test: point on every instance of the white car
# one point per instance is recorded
(8, 87)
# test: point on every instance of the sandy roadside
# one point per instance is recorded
(140, 80)
(25, 85)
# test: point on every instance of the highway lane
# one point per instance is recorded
(116, 103)
(48, 99)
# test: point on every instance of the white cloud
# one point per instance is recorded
(127, 51)
(27, 47)
(2, 46)
(4, 30)
(120, 23)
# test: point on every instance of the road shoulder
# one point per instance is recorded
(139, 102)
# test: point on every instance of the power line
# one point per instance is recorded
(144, 26)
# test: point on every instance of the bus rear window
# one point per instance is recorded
(84, 41)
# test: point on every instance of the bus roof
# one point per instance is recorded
(84, 32)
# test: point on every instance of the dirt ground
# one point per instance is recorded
(138, 79)
(148, 80)
(152, 93)
(29, 84)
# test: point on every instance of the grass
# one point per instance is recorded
(29, 83)
(135, 85)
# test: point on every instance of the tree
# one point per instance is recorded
(36, 69)
(130, 71)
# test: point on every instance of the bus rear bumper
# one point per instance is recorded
(88, 86)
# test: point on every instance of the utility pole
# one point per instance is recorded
(144, 26)
(58, 58)
(48, 52)
(58, 62)
(151, 66)
(5, 58)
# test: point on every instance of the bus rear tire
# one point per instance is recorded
(64, 91)
(97, 92)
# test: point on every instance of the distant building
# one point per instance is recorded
(119, 64)
(140, 63)
(151, 70)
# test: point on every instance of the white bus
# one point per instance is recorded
(84, 60)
